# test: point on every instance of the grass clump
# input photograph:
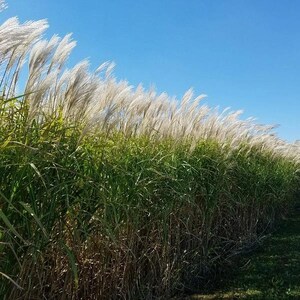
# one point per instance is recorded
(128, 217)
(111, 193)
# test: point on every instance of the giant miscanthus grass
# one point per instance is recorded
(100, 102)
(114, 192)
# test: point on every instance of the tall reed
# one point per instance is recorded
(111, 192)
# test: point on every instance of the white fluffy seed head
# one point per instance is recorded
(63, 50)
(3, 5)
(102, 103)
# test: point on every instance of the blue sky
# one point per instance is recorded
(242, 54)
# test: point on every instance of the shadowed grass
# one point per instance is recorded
(270, 272)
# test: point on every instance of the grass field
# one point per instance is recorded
(107, 192)
(270, 272)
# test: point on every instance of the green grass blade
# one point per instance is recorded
(10, 226)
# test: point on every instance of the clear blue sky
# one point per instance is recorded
(241, 53)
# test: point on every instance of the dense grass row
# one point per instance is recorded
(112, 216)
(110, 193)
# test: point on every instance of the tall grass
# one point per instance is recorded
(111, 192)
